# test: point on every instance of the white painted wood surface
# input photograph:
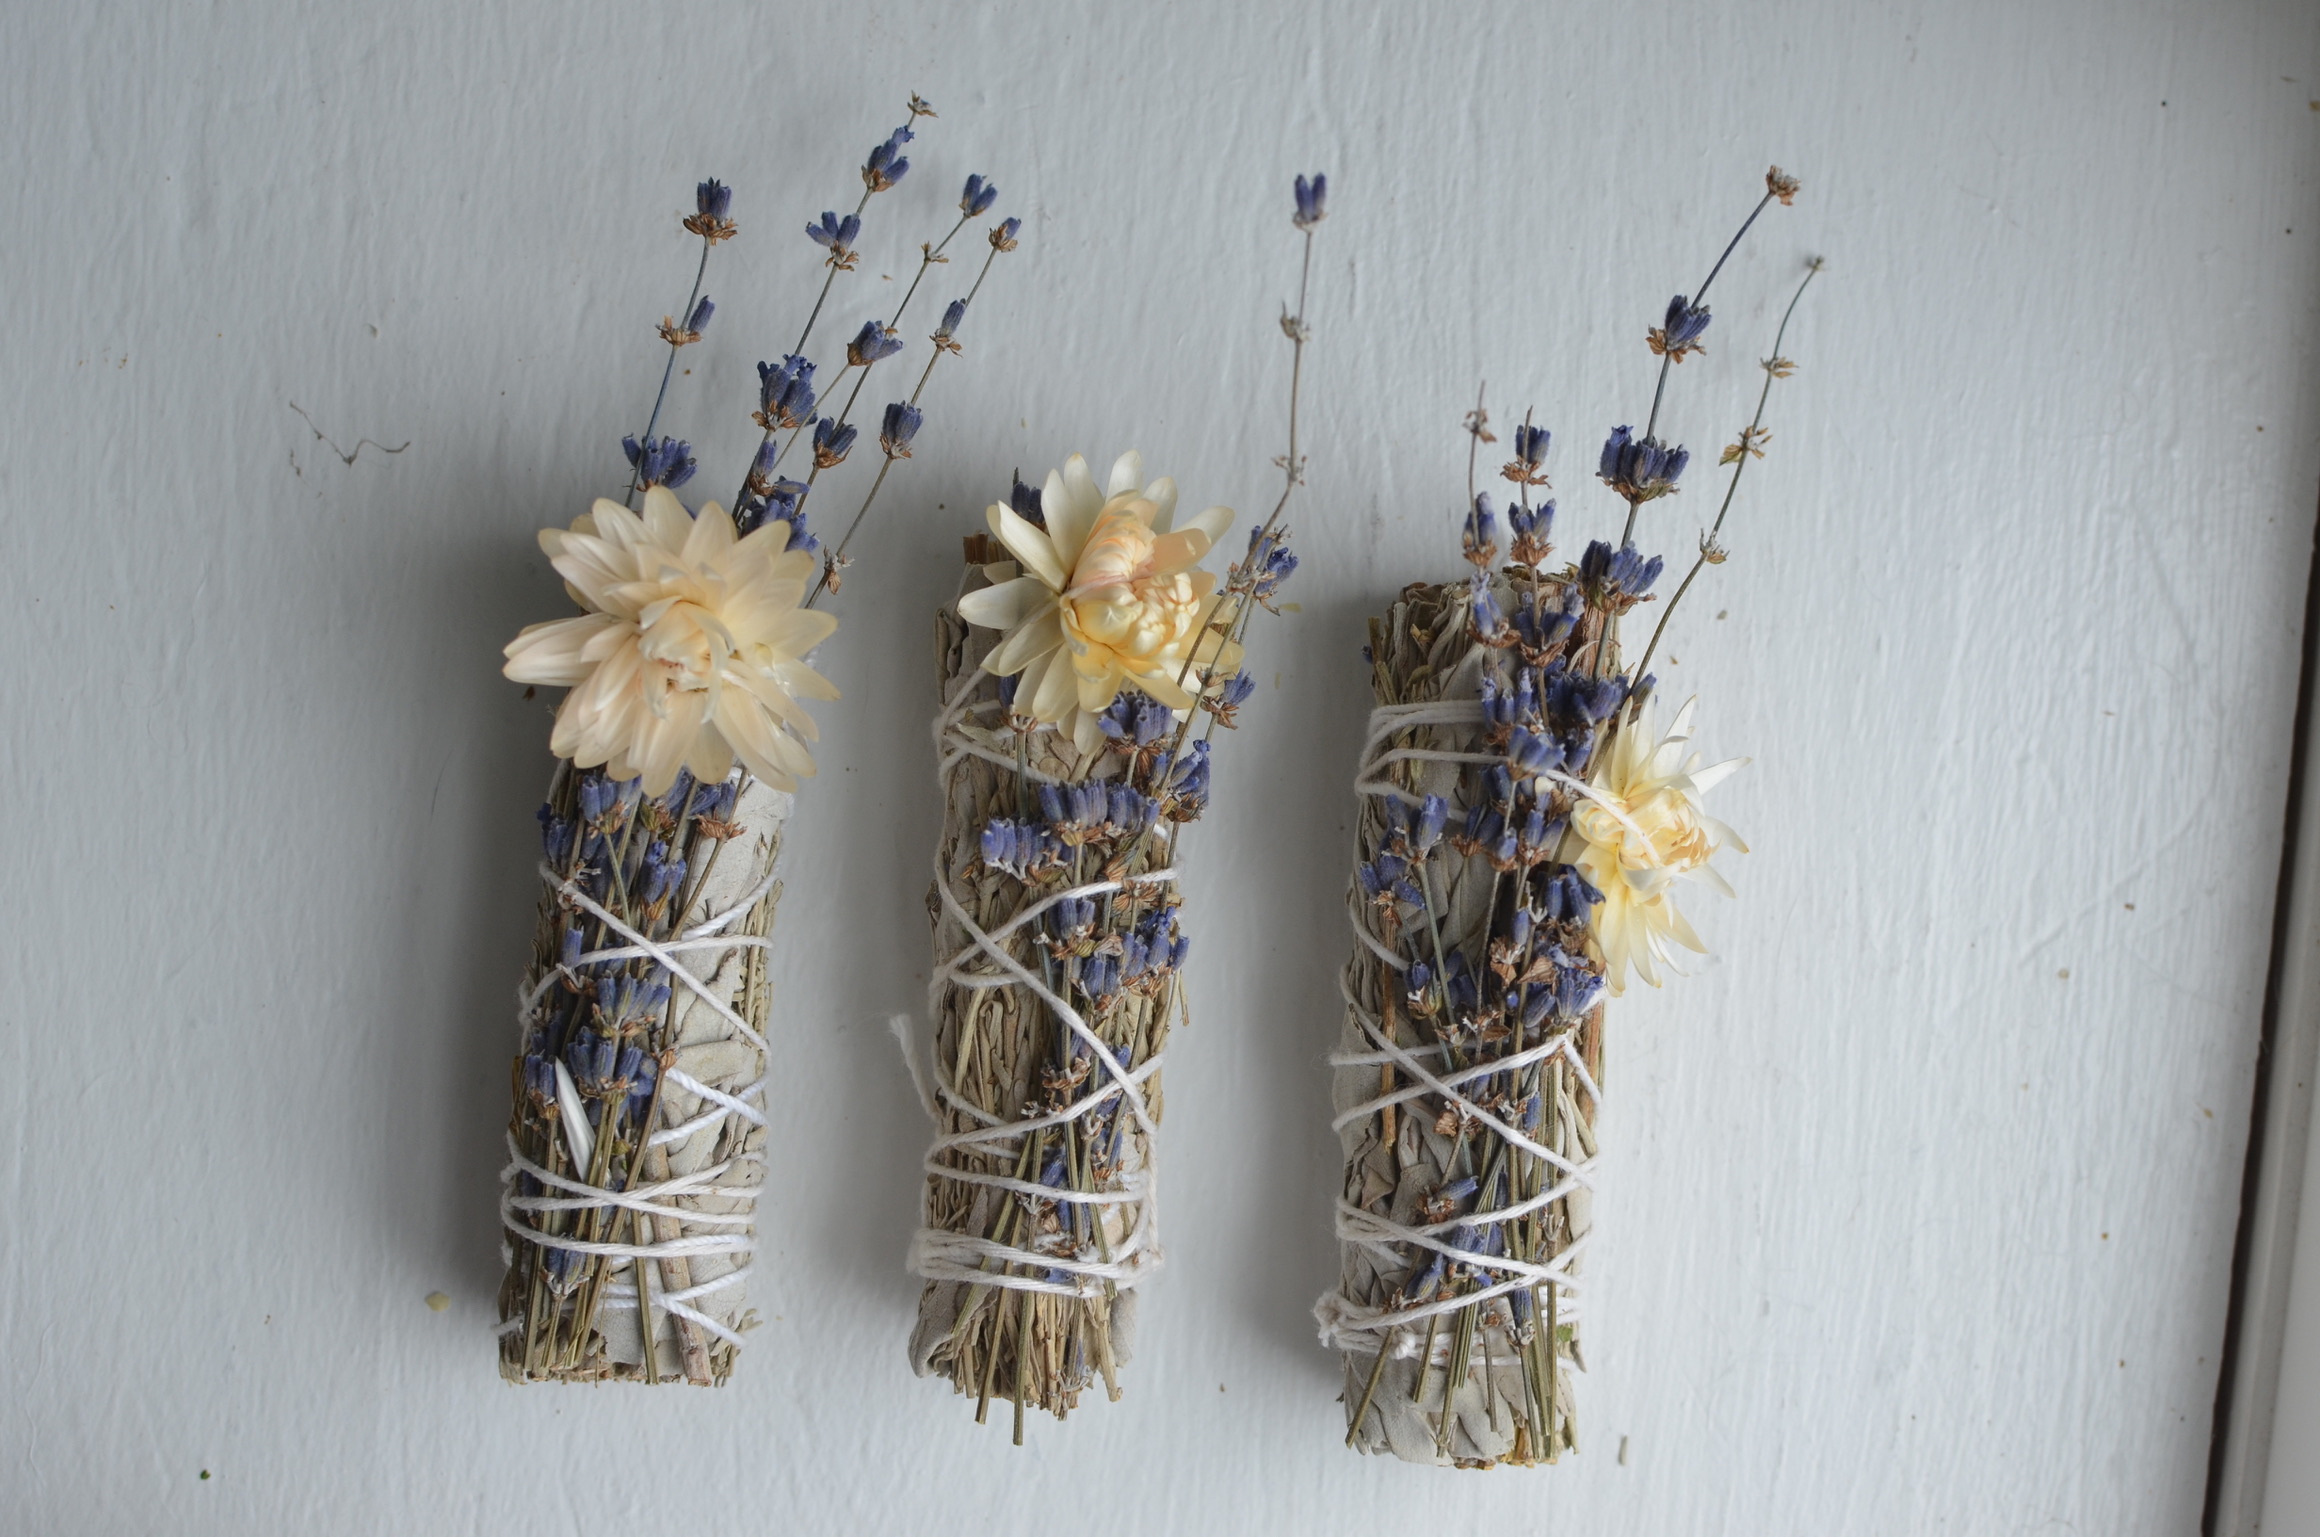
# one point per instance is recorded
(1920, 1205)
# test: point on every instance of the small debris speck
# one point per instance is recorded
(2130, 907)
(1623, 1439)
(438, 1301)
(1720, 613)
(205, 1475)
(2064, 973)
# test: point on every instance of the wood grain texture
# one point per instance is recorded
(1921, 1210)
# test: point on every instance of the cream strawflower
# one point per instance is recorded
(1106, 597)
(1652, 833)
(692, 652)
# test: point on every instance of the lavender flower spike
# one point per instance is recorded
(870, 344)
(1680, 337)
(711, 199)
(1528, 466)
(978, 197)
(1312, 201)
(836, 236)
(785, 393)
(660, 461)
(1480, 536)
(945, 333)
(901, 425)
(886, 164)
(1640, 469)
(833, 440)
(1616, 579)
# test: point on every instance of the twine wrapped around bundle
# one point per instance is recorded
(636, 1146)
(1468, 1077)
(1055, 989)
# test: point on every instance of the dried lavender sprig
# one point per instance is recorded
(1750, 445)
(1003, 238)
(1777, 185)
(1242, 583)
(711, 201)
(877, 176)
(975, 201)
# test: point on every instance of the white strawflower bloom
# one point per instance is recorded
(1645, 832)
(1106, 597)
(692, 652)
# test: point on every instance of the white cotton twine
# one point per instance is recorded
(1350, 1325)
(940, 1254)
(654, 1200)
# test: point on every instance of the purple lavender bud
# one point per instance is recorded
(1188, 782)
(1479, 538)
(1433, 816)
(1525, 706)
(1312, 201)
(660, 461)
(1026, 504)
(768, 455)
(556, 837)
(978, 197)
(698, 321)
(886, 164)
(785, 392)
(1640, 469)
(1680, 334)
(1532, 754)
(713, 198)
(832, 442)
(1530, 444)
(643, 1074)
(1489, 618)
(953, 317)
(1004, 232)
(901, 424)
(590, 1058)
(1616, 578)
(1598, 697)
(834, 234)
(872, 343)
(1153, 720)
(1614, 447)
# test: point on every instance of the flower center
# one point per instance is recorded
(1117, 601)
(683, 647)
